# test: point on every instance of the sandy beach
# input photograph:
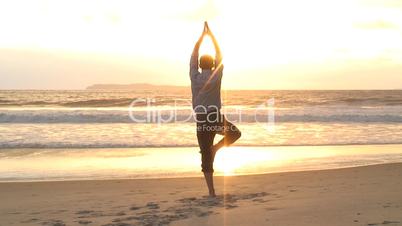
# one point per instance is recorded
(201, 113)
(368, 195)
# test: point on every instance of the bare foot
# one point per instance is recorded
(212, 194)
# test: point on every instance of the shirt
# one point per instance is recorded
(205, 86)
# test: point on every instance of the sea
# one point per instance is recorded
(102, 134)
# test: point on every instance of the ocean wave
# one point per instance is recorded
(104, 102)
(125, 102)
(183, 117)
(283, 98)
(122, 145)
(125, 135)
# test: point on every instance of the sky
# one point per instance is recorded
(288, 44)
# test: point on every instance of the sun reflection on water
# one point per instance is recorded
(69, 164)
(230, 159)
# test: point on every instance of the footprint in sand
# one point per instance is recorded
(260, 200)
(390, 222)
(118, 224)
(271, 208)
(186, 208)
(230, 206)
(58, 211)
(92, 213)
(54, 223)
(84, 212)
(383, 223)
(121, 213)
(152, 205)
(84, 222)
(135, 208)
(32, 220)
(254, 195)
(219, 200)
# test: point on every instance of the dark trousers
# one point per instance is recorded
(208, 125)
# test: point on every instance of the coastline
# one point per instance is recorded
(26, 165)
(348, 196)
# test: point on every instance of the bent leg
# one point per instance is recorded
(230, 135)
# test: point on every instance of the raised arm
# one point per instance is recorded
(194, 55)
(218, 56)
(197, 46)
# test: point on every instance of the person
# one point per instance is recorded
(206, 101)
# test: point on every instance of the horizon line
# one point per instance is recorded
(35, 89)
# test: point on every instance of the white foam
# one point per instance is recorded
(390, 114)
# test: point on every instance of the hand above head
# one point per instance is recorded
(200, 39)
(205, 31)
(215, 42)
(206, 28)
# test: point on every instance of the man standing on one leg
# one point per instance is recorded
(206, 98)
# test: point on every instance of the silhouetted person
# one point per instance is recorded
(206, 98)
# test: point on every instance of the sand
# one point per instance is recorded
(369, 195)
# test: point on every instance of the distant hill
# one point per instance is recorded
(135, 86)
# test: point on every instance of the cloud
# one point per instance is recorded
(379, 24)
(395, 4)
(205, 11)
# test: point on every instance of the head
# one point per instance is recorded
(206, 62)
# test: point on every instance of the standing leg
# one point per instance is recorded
(205, 141)
(209, 179)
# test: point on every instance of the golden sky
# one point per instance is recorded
(288, 44)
